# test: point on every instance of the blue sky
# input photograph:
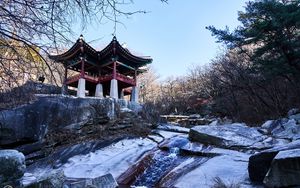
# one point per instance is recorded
(173, 34)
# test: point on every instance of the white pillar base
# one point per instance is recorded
(135, 94)
(114, 89)
(122, 94)
(81, 88)
(99, 91)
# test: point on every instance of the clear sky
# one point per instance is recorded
(173, 34)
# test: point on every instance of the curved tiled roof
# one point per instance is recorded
(113, 50)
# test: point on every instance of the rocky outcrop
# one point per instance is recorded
(259, 163)
(29, 123)
(282, 128)
(105, 181)
(227, 136)
(58, 179)
(52, 181)
(12, 167)
(284, 170)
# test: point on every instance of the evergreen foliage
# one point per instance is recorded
(272, 29)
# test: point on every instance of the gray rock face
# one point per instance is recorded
(29, 123)
(228, 136)
(55, 180)
(260, 163)
(106, 181)
(284, 170)
(12, 166)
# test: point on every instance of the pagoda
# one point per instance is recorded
(110, 72)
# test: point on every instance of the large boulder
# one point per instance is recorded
(260, 163)
(12, 166)
(235, 135)
(29, 123)
(284, 170)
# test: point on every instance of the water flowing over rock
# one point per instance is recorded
(284, 170)
(227, 136)
(12, 166)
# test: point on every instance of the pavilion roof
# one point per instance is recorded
(113, 51)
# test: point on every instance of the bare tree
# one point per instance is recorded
(35, 27)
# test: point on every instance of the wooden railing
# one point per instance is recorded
(105, 78)
(125, 79)
(91, 78)
(101, 79)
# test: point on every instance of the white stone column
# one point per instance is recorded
(135, 94)
(114, 89)
(81, 88)
(99, 91)
(122, 94)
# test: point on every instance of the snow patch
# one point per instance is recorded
(114, 159)
(225, 167)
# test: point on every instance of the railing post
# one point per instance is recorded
(115, 70)
(82, 67)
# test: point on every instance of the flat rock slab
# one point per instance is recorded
(284, 170)
(235, 135)
(173, 128)
(232, 170)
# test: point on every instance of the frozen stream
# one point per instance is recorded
(143, 163)
(162, 163)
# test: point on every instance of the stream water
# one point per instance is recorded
(163, 162)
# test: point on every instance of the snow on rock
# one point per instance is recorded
(167, 134)
(113, 159)
(155, 138)
(289, 130)
(284, 170)
(260, 163)
(296, 117)
(293, 111)
(175, 142)
(173, 128)
(105, 181)
(89, 160)
(228, 136)
(230, 169)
